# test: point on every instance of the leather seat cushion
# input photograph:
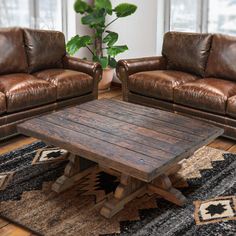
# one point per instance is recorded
(209, 94)
(2, 103)
(158, 84)
(69, 83)
(12, 52)
(231, 107)
(221, 62)
(24, 91)
(187, 52)
(45, 49)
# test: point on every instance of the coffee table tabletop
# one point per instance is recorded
(140, 142)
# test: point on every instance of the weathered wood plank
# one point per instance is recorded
(146, 122)
(124, 141)
(108, 137)
(115, 125)
(126, 161)
(161, 120)
(126, 131)
(165, 116)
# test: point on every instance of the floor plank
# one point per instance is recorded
(232, 149)
(3, 223)
(222, 144)
(15, 143)
(14, 230)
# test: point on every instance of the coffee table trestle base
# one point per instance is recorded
(128, 189)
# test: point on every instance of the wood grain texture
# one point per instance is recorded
(20, 142)
(133, 140)
(222, 144)
(3, 223)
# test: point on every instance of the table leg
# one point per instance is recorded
(163, 187)
(128, 189)
(72, 174)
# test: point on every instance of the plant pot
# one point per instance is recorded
(105, 83)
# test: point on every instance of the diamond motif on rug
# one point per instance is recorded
(48, 155)
(5, 178)
(215, 210)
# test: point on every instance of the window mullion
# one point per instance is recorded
(205, 11)
(65, 17)
(167, 15)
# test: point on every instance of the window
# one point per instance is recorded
(41, 14)
(49, 14)
(15, 13)
(222, 16)
(214, 16)
(183, 15)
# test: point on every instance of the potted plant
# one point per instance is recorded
(102, 44)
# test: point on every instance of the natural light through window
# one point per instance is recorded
(42, 14)
(183, 15)
(223, 21)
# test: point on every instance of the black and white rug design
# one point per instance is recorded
(215, 210)
(207, 179)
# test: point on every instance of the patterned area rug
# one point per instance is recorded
(207, 179)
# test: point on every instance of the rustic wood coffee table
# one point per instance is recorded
(143, 144)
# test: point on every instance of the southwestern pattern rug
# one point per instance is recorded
(207, 179)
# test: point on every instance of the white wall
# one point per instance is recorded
(160, 30)
(138, 31)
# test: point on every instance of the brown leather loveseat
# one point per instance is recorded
(195, 76)
(36, 76)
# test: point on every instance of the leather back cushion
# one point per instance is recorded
(45, 49)
(187, 52)
(12, 52)
(222, 59)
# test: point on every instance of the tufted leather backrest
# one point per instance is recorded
(12, 52)
(187, 52)
(45, 49)
(222, 59)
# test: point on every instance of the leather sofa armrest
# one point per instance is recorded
(91, 68)
(133, 66)
(125, 68)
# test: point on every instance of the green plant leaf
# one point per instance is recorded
(105, 4)
(95, 18)
(81, 7)
(112, 62)
(78, 42)
(111, 38)
(125, 9)
(104, 62)
(95, 58)
(115, 50)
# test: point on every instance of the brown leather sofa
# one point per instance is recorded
(195, 76)
(36, 76)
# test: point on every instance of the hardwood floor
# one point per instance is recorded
(10, 229)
